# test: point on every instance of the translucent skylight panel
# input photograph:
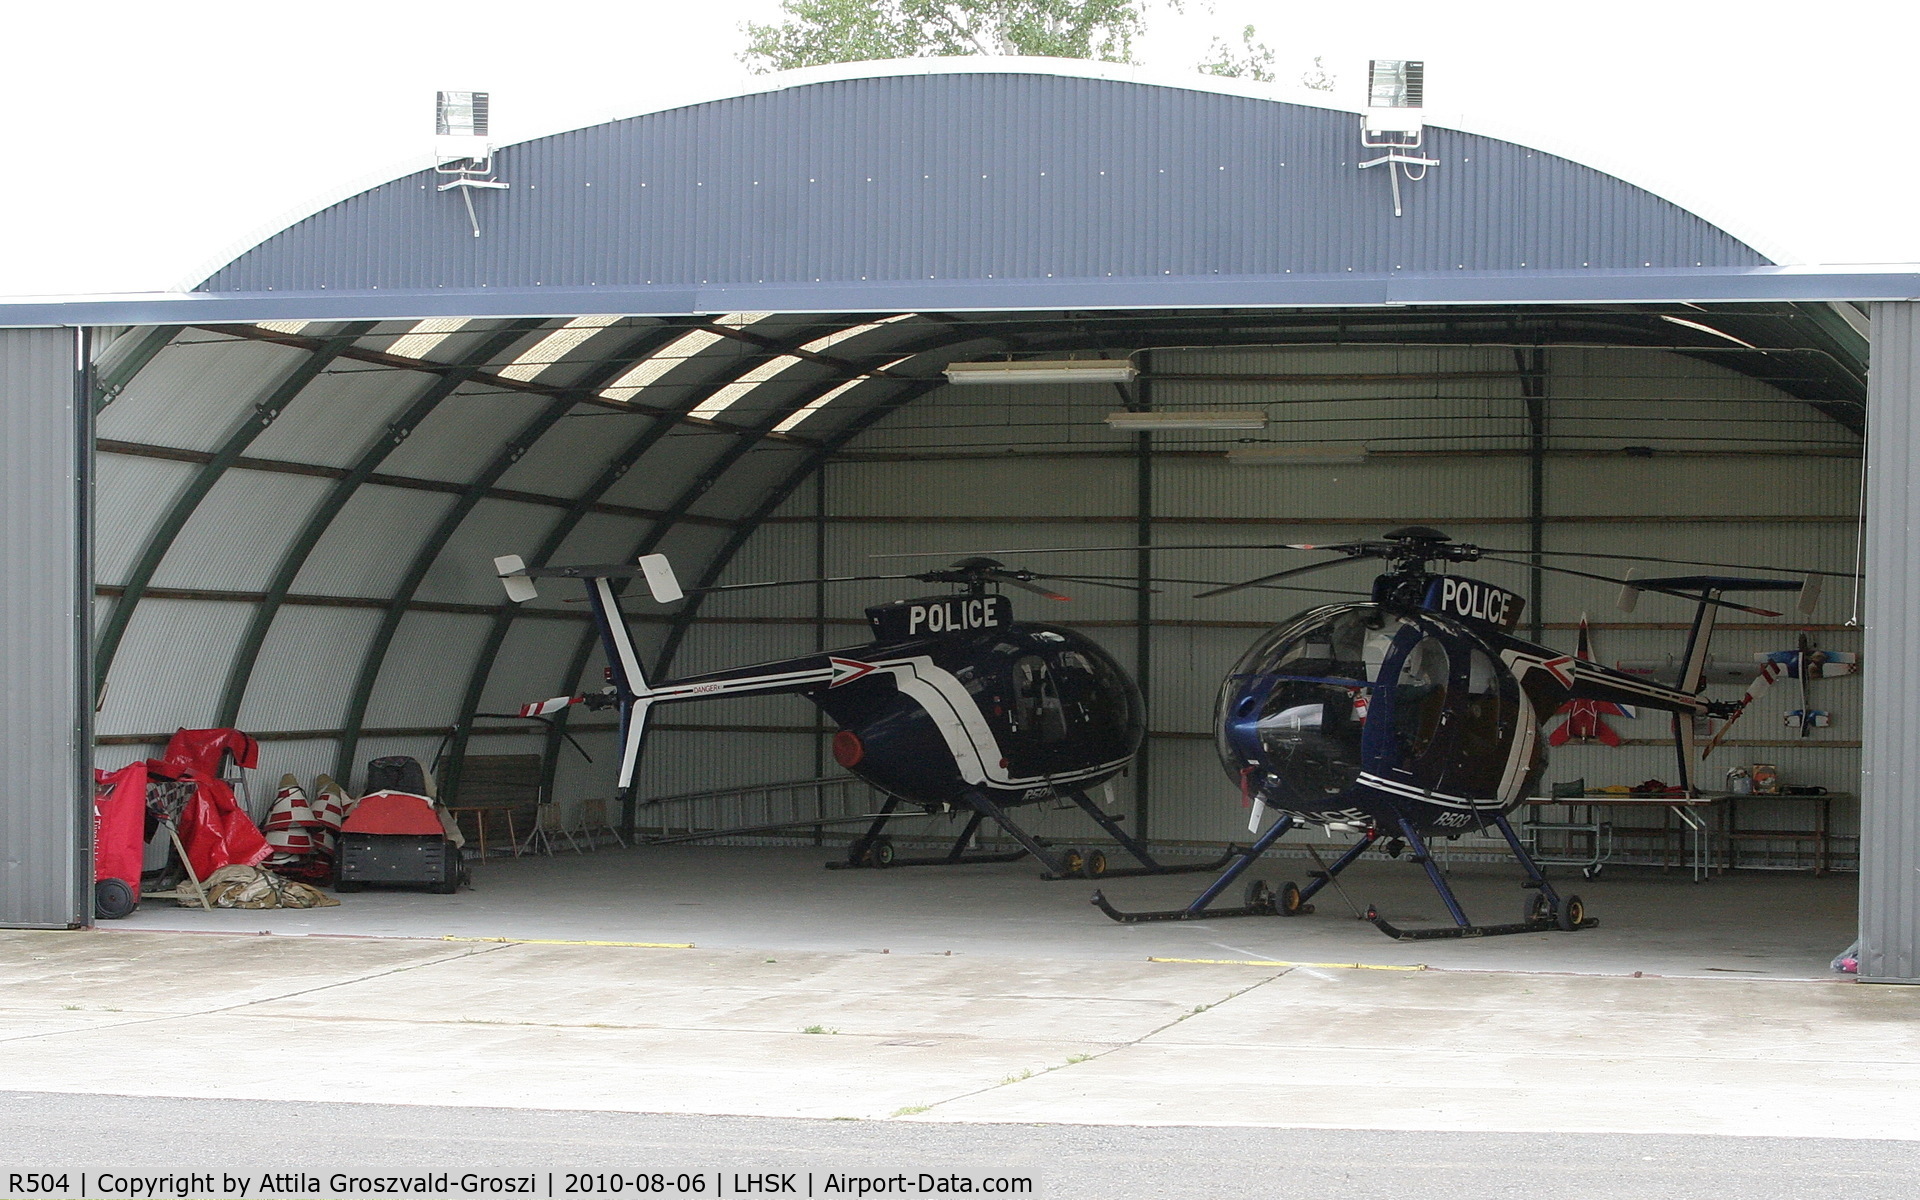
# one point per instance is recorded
(822, 345)
(419, 341)
(830, 397)
(727, 396)
(282, 326)
(554, 347)
(650, 369)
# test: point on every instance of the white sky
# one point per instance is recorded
(151, 142)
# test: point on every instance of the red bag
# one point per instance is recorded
(216, 831)
(119, 830)
(199, 750)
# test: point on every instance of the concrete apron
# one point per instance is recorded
(951, 1037)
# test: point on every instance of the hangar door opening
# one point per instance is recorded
(297, 523)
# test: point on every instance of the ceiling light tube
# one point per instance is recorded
(1063, 370)
(1232, 419)
(1296, 456)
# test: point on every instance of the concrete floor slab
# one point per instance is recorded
(965, 1038)
(778, 898)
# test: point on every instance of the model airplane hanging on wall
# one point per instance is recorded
(954, 706)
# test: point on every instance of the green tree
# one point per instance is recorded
(1252, 59)
(814, 32)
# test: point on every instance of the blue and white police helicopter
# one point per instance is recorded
(1417, 713)
(953, 707)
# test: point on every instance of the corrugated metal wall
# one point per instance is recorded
(1738, 473)
(46, 792)
(1890, 866)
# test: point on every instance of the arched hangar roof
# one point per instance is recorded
(975, 188)
(308, 507)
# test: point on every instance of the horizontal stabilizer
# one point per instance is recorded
(512, 569)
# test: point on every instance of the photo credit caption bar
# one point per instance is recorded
(550, 1185)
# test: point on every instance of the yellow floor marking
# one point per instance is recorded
(1264, 962)
(565, 942)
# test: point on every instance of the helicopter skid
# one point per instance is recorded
(1157, 868)
(1179, 914)
(941, 860)
(1537, 925)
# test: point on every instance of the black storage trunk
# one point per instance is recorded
(397, 858)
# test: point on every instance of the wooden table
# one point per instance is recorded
(480, 812)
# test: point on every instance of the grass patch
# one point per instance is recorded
(820, 1029)
(911, 1110)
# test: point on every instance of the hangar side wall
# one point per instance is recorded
(46, 726)
(1738, 473)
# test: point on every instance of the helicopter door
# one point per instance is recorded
(1485, 717)
(1417, 687)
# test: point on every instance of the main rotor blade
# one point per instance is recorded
(773, 583)
(1265, 579)
(1012, 580)
(1639, 585)
(1119, 549)
(1125, 583)
(1105, 581)
(1679, 562)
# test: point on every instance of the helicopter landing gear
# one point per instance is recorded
(875, 849)
(1242, 860)
(1545, 910)
(1198, 910)
(1260, 897)
(1132, 845)
(1290, 902)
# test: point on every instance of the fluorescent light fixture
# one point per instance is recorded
(1062, 370)
(1296, 456)
(1252, 418)
(1708, 329)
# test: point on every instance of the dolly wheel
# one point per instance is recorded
(880, 854)
(113, 899)
(1259, 897)
(1537, 908)
(1094, 865)
(1072, 860)
(1572, 914)
(1291, 905)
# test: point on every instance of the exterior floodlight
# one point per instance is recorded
(1395, 120)
(460, 114)
(461, 149)
(1296, 456)
(1245, 419)
(1396, 83)
(1063, 370)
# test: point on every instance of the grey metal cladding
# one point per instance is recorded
(46, 736)
(979, 176)
(1890, 758)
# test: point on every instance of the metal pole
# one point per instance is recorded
(1142, 401)
(1533, 385)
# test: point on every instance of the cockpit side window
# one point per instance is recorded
(1037, 709)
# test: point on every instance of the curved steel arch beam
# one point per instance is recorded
(108, 386)
(264, 414)
(397, 431)
(516, 448)
(505, 615)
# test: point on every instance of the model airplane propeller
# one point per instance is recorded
(954, 705)
(1417, 712)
